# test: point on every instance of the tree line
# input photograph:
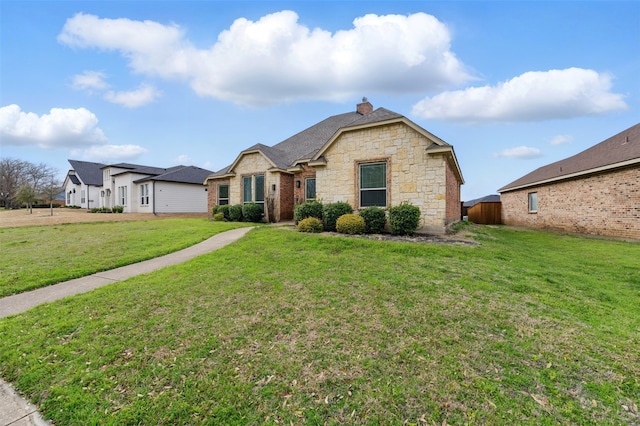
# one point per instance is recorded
(25, 183)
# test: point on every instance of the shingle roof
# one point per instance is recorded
(305, 144)
(486, 199)
(611, 153)
(181, 174)
(89, 173)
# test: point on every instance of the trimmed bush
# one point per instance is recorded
(253, 212)
(224, 209)
(218, 217)
(350, 224)
(235, 213)
(332, 211)
(310, 224)
(374, 219)
(404, 219)
(117, 209)
(307, 209)
(214, 210)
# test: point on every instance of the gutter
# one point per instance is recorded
(572, 175)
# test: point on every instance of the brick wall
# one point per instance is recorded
(212, 192)
(299, 193)
(606, 204)
(286, 197)
(454, 207)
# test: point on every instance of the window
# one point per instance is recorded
(223, 195)
(310, 189)
(69, 197)
(144, 194)
(373, 184)
(82, 196)
(122, 195)
(533, 202)
(248, 194)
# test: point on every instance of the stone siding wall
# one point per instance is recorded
(413, 175)
(606, 204)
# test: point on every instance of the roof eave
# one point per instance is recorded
(572, 175)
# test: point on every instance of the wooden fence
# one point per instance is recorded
(486, 213)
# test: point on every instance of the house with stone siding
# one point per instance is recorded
(596, 191)
(365, 158)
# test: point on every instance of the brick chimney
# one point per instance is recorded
(365, 107)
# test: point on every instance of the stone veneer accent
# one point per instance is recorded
(413, 175)
(606, 204)
(299, 193)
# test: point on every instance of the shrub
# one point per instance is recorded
(117, 209)
(235, 213)
(374, 219)
(332, 211)
(218, 217)
(350, 224)
(253, 212)
(307, 209)
(404, 219)
(214, 210)
(224, 209)
(310, 224)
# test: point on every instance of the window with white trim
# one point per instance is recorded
(144, 194)
(533, 202)
(122, 195)
(373, 184)
(82, 196)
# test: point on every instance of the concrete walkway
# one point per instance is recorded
(14, 410)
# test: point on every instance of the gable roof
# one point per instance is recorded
(180, 174)
(88, 172)
(618, 151)
(308, 144)
(494, 198)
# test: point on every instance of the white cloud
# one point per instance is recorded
(61, 128)
(561, 139)
(519, 152)
(110, 153)
(183, 159)
(89, 81)
(277, 59)
(143, 95)
(532, 96)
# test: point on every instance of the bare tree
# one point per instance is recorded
(16, 175)
(50, 190)
(11, 179)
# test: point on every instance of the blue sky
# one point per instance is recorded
(511, 85)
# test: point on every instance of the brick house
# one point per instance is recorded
(364, 158)
(596, 191)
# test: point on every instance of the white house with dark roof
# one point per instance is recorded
(83, 184)
(137, 188)
(596, 191)
(365, 158)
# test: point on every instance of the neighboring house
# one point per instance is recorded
(483, 211)
(596, 191)
(145, 189)
(365, 158)
(83, 184)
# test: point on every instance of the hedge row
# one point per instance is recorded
(404, 219)
(250, 212)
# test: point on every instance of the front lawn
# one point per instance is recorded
(287, 328)
(37, 256)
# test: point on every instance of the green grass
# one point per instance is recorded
(529, 328)
(37, 256)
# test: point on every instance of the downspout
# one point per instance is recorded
(153, 185)
(88, 191)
